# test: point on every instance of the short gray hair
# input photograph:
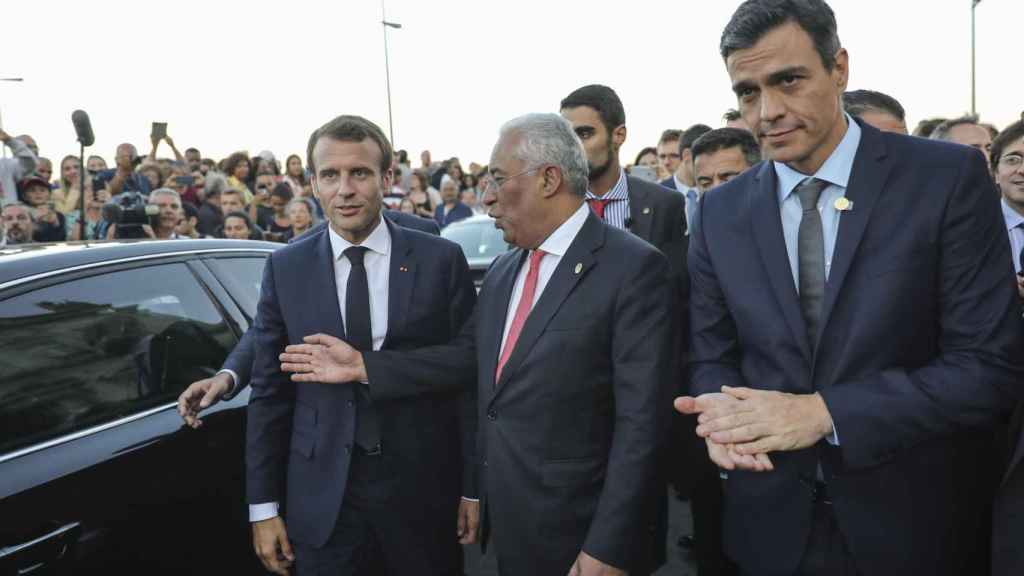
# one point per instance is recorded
(165, 192)
(942, 131)
(314, 219)
(23, 206)
(215, 184)
(549, 139)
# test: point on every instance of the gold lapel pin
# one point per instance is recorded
(843, 204)
(647, 209)
(579, 267)
(403, 269)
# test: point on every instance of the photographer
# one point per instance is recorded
(14, 169)
(164, 224)
(50, 225)
(124, 178)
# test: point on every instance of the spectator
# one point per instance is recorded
(469, 198)
(95, 164)
(452, 209)
(668, 153)
(302, 216)
(879, 110)
(44, 170)
(18, 222)
(1008, 170)
(12, 170)
(406, 206)
(925, 127)
(66, 195)
(231, 200)
(124, 178)
(210, 216)
(165, 224)
(682, 179)
(278, 223)
(50, 225)
(733, 119)
(206, 165)
(469, 183)
(156, 144)
(260, 210)
(419, 194)
(295, 175)
(967, 131)
(403, 164)
(266, 163)
(153, 175)
(187, 226)
(237, 167)
(647, 157)
(193, 159)
(94, 223)
(723, 154)
(238, 226)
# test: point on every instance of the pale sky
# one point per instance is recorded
(261, 75)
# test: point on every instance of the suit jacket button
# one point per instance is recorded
(492, 415)
(349, 403)
(485, 463)
(348, 447)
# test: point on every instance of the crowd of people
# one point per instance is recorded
(835, 306)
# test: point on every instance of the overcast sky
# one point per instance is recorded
(228, 76)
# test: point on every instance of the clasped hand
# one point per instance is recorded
(324, 359)
(741, 426)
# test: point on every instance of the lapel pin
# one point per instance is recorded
(647, 209)
(403, 269)
(579, 267)
(843, 204)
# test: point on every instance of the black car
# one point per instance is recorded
(98, 475)
(480, 241)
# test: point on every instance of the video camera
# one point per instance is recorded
(129, 212)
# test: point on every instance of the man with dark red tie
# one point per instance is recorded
(572, 357)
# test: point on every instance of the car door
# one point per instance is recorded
(97, 473)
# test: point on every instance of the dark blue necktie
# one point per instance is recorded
(360, 336)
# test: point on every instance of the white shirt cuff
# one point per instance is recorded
(261, 512)
(834, 438)
(470, 499)
(234, 380)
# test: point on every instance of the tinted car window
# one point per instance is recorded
(242, 277)
(477, 239)
(95, 349)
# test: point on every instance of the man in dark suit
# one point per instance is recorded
(234, 375)
(648, 210)
(373, 476)
(683, 179)
(573, 360)
(851, 335)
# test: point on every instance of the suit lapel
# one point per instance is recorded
(574, 265)
(328, 312)
(401, 277)
(641, 213)
(867, 178)
(767, 225)
(503, 280)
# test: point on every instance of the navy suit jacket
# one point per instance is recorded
(569, 437)
(669, 183)
(458, 212)
(919, 349)
(300, 435)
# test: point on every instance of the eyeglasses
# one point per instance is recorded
(497, 182)
(667, 156)
(1012, 161)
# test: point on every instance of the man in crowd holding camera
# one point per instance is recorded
(14, 169)
(124, 178)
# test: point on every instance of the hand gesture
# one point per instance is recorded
(587, 565)
(469, 521)
(323, 359)
(270, 539)
(200, 396)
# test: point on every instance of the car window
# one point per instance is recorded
(95, 349)
(242, 277)
(477, 240)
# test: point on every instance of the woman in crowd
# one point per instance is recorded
(294, 175)
(407, 206)
(50, 225)
(66, 196)
(419, 195)
(153, 174)
(302, 216)
(95, 164)
(238, 168)
(647, 157)
(94, 224)
(278, 223)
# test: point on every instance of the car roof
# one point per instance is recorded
(475, 219)
(27, 260)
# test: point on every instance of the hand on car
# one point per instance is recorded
(200, 396)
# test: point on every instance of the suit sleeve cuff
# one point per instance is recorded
(261, 512)
(834, 438)
(468, 499)
(234, 383)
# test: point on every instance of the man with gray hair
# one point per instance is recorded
(165, 222)
(572, 356)
(18, 222)
(967, 131)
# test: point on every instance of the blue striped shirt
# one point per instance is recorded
(617, 211)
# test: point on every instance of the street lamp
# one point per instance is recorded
(387, 67)
(974, 4)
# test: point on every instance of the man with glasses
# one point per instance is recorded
(683, 179)
(668, 152)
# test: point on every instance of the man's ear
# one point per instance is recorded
(552, 180)
(619, 136)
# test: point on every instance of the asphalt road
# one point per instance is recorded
(679, 561)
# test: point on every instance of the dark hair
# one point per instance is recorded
(857, 102)
(351, 129)
(1008, 136)
(209, 163)
(691, 134)
(942, 130)
(724, 138)
(196, 150)
(645, 152)
(602, 99)
(732, 115)
(302, 173)
(755, 18)
(190, 210)
(243, 216)
(670, 135)
(234, 160)
(423, 179)
(403, 157)
(925, 127)
(282, 190)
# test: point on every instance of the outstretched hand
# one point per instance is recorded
(323, 359)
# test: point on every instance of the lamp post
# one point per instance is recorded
(974, 109)
(3, 149)
(387, 66)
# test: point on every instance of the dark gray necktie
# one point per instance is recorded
(811, 256)
(360, 336)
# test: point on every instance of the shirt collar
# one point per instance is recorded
(680, 185)
(836, 169)
(1011, 216)
(618, 192)
(557, 243)
(378, 241)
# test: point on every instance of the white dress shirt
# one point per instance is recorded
(555, 246)
(377, 261)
